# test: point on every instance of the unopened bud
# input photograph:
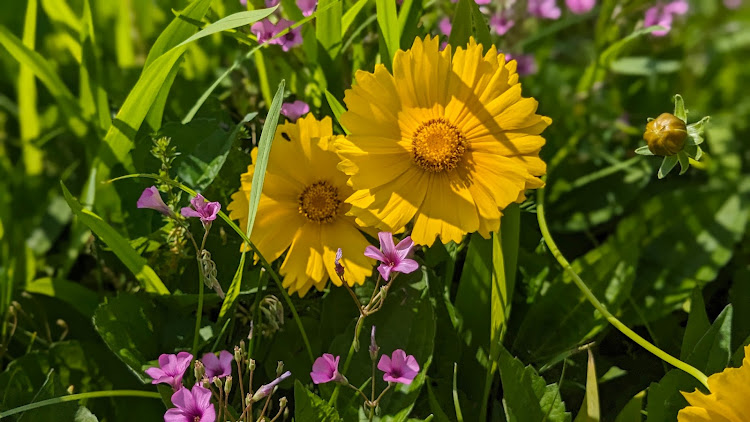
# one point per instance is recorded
(237, 354)
(279, 368)
(199, 370)
(337, 263)
(251, 365)
(248, 399)
(373, 346)
(217, 382)
(228, 384)
(206, 382)
(666, 135)
(266, 389)
(282, 402)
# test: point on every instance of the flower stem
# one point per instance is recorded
(696, 373)
(80, 396)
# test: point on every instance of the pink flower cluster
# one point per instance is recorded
(663, 14)
(266, 30)
(399, 368)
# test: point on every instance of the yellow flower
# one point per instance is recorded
(729, 400)
(448, 141)
(302, 206)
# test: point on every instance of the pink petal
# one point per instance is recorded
(404, 247)
(384, 364)
(374, 253)
(176, 415)
(189, 212)
(209, 414)
(184, 399)
(155, 373)
(386, 245)
(202, 397)
(406, 266)
(385, 271)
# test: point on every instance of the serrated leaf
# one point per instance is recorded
(309, 407)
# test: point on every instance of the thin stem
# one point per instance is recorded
(348, 360)
(456, 403)
(199, 311)
(696, 373)
(359, 391)
(382, 393)
(81, 396)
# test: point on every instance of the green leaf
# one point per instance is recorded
(526, 396)
(461, 24)
(644, 66)
(309, 407)
(337, 108)
(389, 27)
(82, 299)
(590, 408)
(643, 150)
(230, 22)
(739, 297)
(118, 244)
(84, 415)
(124, 50)
(679, 108)
(667, 165)
(684, 162)
(348, 19)
(632, 411)
(177, 30)
(233, 292)
(27, 97)
(261, 162)
(481, 27)
(328, 27)
(93, 97)
(697, 324)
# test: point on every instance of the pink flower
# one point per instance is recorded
(243, 3)
(663, 15)
(272, 3)
(732, 4)
(500, 24)
(399, 367)
(266, 389)
(264, 30)
(171, 369)
(445, 26)
(295, 110)
(525, 63)
(192, 406)
(291, 39)
(393, 258)
(206, 211)
(307, 6)
(580, 7)
(150, 198)
(218, 366)
(546, 9)
(326, 369)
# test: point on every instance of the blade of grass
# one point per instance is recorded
(92, 95)
(348, 19)
(135, 263)
(124, 50)
(27, 95)
(337, 108)
(389, 27)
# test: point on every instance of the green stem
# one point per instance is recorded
(80, 396)
(348, 360)
(696, 373)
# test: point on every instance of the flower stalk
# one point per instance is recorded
(589, 295)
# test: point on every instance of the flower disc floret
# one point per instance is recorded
(438, 145)
(319, 202)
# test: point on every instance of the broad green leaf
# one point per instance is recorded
(82, 299)
(389, 27)
(481, 27)
(328, 27)
(264, 151)
(124, 50)
(527, 397)
(119, 245)
(309, 407)
(337, 108)
(84, 415)
(697, 324)
(590, 408)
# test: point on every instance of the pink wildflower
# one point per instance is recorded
(171, 369)
(663, 15)
(307, 6)
(500, 24)
(546, 9)
(150, 198)
(399, 367)
(326, 369)
(295, 110)
(580, 7)
(445, 26)
(218, 366)
(191, 406)
(393, 258)
(206, 211)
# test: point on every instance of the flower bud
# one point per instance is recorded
(337, 263)
(228, 384)
(218, 383)
(665, 135)
(251, 365)
(199, 370)
(373, 345)
(282, 402)
(237, 354)
(279, 368)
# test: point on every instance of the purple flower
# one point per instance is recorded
(445, 26)
(326, 369)
(295, 110)
(192, 406)
(218, 366)
(266, 389)
(525, 63)
(206, 211)
(732, 4)
(307, 6)
(663, 16)
(263, 30)
(291, 39)
(243, 3)
(272, 3)
(393, 258)
(580, 6)
(500, 24)
(399, 367)
(546, 9)
(171, 369)
(150, 198)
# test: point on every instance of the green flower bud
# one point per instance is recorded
(199, 370)
(665, 135)
(228, 384)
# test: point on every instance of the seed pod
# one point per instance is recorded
(665, 135)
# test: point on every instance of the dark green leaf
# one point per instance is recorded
(309, 407)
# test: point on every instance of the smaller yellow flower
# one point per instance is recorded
(302, 209)
(729, 400)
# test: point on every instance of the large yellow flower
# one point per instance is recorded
(729, 400)
(302, 206)
(446, 140)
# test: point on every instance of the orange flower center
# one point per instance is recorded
(438, 146)
(319, 202)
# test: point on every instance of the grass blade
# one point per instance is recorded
(337, 108)
(389, 27)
